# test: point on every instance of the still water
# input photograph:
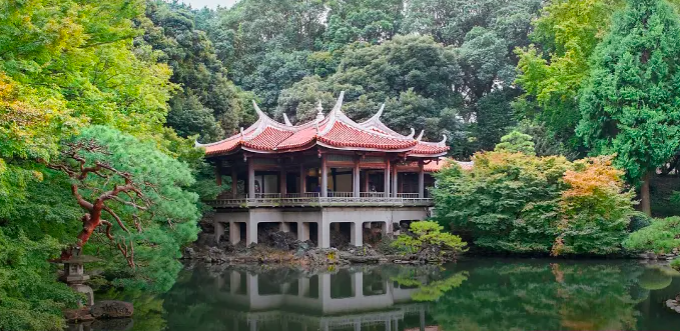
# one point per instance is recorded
(475, 294)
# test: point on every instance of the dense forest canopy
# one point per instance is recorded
(142, 80)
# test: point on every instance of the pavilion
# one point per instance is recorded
(331, 171)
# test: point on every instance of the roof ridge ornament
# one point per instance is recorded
(258, 111)
(443, 142)
(413, 133)
(319, 112)
(338, 104)
(378, 114)
(286, 120)
(420, 136)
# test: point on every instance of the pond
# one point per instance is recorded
(472, 294)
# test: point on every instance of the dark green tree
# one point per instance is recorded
(630, 104)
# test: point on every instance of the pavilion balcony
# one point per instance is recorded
(314, 199)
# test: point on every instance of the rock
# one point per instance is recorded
(112, 309)
(189, 253)
(78, 315)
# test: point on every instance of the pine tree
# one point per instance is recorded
(630, 104)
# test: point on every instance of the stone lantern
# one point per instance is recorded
(74, 275)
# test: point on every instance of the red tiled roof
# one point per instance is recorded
(424, 148)
(342, 135)
(334, 131)
(268, 139)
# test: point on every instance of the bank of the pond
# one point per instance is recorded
(305, 255)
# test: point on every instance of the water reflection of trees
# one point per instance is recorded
(431, 281)
(477, 295)
(558, 296)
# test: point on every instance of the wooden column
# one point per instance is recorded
(324, 178)
(421, 179)
(395, 183)
(283, 183)
(251, 179)
(303, 178)
(356, 174)
(388, 171)
(335, 179)
(234, 181)
(218, 172)
(366, 177)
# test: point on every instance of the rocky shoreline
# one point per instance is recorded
(305, 255)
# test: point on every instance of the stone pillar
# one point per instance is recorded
(303, 231)
(218, 172)
(251, 233)
(324, 176)
(421, 179)
(357, 235)
(395, 184)
(388, 171)
(324, 235)
(234, 233)
(251, 179)
(283, 183)
(303, 178)
(234, 181)
(284, 227)
(219, 231)
(356, 174)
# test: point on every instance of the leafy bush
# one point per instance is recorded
(521, 203)
(30, 296)
(675, 264)
(595, 209)
(428, 241)
(516, 142)
(661, 236)
(507, 202)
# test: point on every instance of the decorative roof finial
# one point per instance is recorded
(413, 133)
(420, 136)
(319, 112)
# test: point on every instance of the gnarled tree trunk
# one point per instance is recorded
(645, 199)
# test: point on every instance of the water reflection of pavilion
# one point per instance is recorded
(328, 301)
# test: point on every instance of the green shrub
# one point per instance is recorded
(675, 264)
(428, 241)
(661, 236)
(520, 203)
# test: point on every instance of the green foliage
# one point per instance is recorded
(629, 102)
(428, 236)
(521, 203)
(31, 297)
(507, 202)
(170, 222)
(676, 264)
(552, 72)
(209, 102)
(516, 142)
(596, 209)
(662, 236)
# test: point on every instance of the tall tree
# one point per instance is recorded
(208, 103)
(630, 104)
(552, 70)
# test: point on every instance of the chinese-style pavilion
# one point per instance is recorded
(330, 170)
